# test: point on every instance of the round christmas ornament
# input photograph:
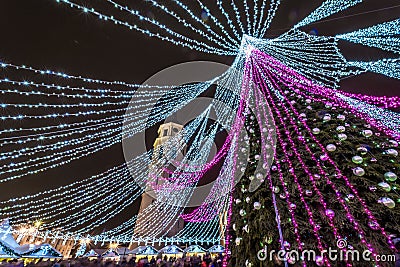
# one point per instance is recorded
(385, 186)
(324, 157)
(358, 171)
(341, 117)
(331, 147)
(259, 176)
(392, 152)
(393, 143)
(390, 176)
(388, 202)
(316, 131)
(237, 241)
(257, 205)
(357, 159)
(367, 133)
(362, 150)
(242, 213)
(340, 129)
(342, 136)
(327, 118)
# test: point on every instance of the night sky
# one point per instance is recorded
(46, 34)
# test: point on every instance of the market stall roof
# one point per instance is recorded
(110, 254)
(145, 250)
(6, 234)
(195, 249)
(124, 251)
(171, 249)
(99, 251)
(42, 251)
(216, 249)
(10, 247)
(6, 251)
(91, 253)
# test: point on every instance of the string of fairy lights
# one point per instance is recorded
(383, 36)
(49, 125)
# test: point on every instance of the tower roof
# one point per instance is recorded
(173, 118)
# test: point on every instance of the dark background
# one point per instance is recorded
(46, 34)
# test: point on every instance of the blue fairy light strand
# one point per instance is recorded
(384, 36)
(389, 66)
(328, 7)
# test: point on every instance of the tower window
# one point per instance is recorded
(165, 132)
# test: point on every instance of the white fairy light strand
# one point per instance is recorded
(270, 16)
(383, 36)
(104, 17)
(163, 27)
(236, 42)
(328, 7)
(193, 28)
(389, 67)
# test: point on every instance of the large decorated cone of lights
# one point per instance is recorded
(333, 179)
